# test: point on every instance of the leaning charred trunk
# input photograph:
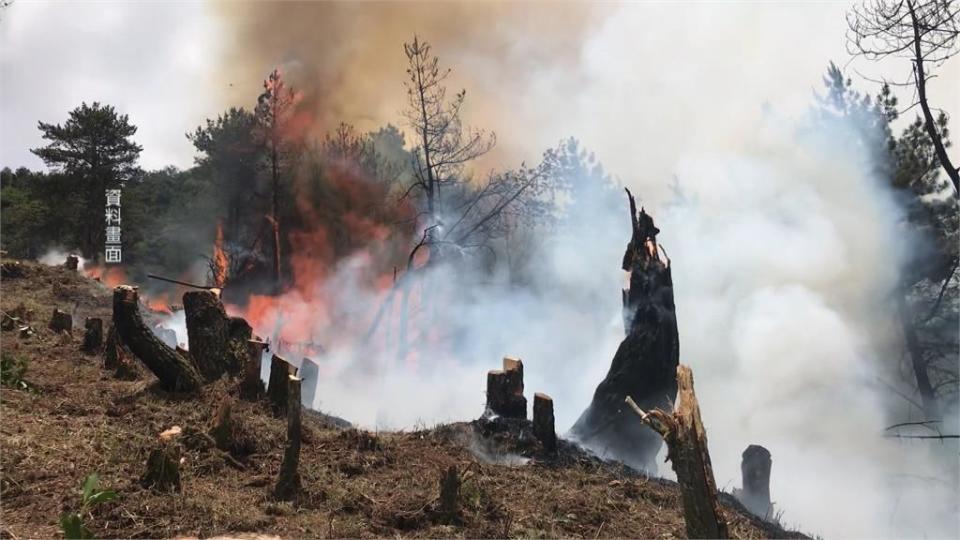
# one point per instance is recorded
(645, 365)
(173, 370)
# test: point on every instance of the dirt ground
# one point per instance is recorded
(74, 419)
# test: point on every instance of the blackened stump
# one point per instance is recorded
(755, 469)
(61, 321)
(251, 385)
(277, 385)
(543, 422)
(505, 390)
(644, 366)
(92, 335)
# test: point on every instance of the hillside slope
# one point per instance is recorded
(75, 419)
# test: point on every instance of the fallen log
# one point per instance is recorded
(174, 371)
(288, 481)
(505, 390)
(688, 453)
(755, 470)
(644, 366)
(92, 335)
(543, 422)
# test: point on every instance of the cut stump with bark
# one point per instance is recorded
(309, 372)
(505, 390)
(543, 422)
(450, 495)
(251, 385)
(288, 481)
(207, 333)
(277, 385)
(687, 451)
(72, 263)
(92, 335)
(174, 371)
(61, 321)
(163, 464)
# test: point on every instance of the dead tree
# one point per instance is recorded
(61, 321)
(207, 332)
(288, 481)
(543, 422)
(755, 469)
(644, 366)
(505, 390)
(174, 371)
(93, 335)
(251, 385)
(688, 453)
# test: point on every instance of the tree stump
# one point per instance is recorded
(239, 332)
(645, 364)
(505, 390)
(310, 373)
(93, 335)
(251, 385)
(450, 495)
(280, 372)
(10, 323)
(755, 469)
(687, 451)
(543, 422)
(288, 481)
(207, 333)
(61, 321)
(223, 426)
(72, 263)
(163, 464)
(175, 372)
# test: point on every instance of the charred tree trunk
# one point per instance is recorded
(61, 321)
(505, 390)
(288, 482)
(175, 372)
(543, 422)
(251, 385)
(450, 495)
(644, 366)
(93, 335)
(755, 469)
(687, 450)
(207, 332)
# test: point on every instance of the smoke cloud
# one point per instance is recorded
(784, 245)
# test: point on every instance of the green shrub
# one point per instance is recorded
(91, 495)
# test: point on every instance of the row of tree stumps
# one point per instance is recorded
(219, 346)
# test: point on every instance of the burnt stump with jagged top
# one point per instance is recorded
(645, 364)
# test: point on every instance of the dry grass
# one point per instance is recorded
(80, 420)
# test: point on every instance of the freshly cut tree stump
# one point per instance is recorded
(207, 333)
(687, 451)
(174, 371)
(309, 372)
(251, 385)
(93, 335)
(645, 364)
(73, 262)
(505, 390)
(543, 422)
(277, 385)
(61, 321)
(755, 469)
(288, 481)
(163, 467)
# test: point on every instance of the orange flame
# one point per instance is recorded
(219, 258)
